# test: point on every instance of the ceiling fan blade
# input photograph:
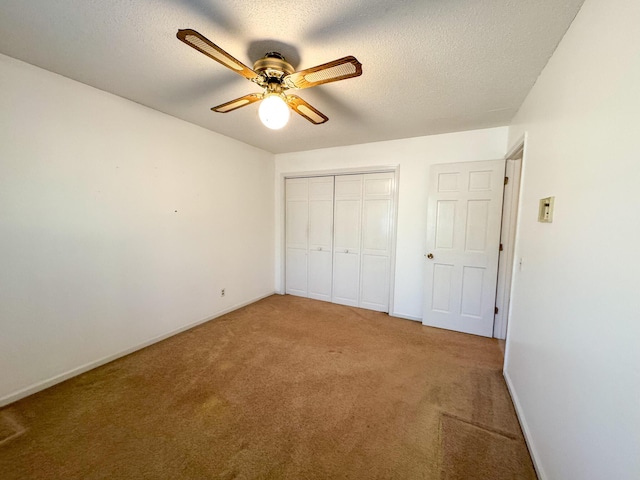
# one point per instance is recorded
(301, 107)
(238, 102)
(340, 69)
(211, 50)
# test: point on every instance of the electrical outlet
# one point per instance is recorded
(222, 292)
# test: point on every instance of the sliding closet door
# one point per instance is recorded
(320, 237)
(376, 240)
(297, 221)
(346, 250)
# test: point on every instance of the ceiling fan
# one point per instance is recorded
(276, 76)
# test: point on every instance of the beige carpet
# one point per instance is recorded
(284, 388)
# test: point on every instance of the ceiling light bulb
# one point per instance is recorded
(274, 112)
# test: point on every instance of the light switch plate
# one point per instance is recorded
(545, 212)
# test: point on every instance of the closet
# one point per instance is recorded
(339, 238)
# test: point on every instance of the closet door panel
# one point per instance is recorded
(320, 224)
(376, 241)
(346, 278)
(349, 186)
(347, 225)
(320, 237)
(320, 213)
(375, 283)
(347, 238)
(296, 221)
(321, 188)
(296, 272)
(376, 226)
(320, 274)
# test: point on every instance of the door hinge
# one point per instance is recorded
(501, 248)
(506, 180)
(496, 311)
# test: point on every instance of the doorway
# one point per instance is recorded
(471, 237)
(513, 174)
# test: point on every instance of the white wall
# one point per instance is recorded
(414, 156)
(573, 351)
(118, 224)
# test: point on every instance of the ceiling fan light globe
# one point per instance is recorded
(274, 112)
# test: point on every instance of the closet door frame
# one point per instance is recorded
(395, 169)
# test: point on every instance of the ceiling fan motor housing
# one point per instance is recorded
(273, 66)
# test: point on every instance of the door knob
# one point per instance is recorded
(346, 251)
(430, 256)
(319, 249)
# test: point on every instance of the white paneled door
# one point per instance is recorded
(463, 240)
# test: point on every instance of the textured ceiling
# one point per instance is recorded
(429, 66)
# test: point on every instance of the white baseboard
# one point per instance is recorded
(406, 317)
(36, 387)
(525, 428)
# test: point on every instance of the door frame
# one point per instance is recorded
(510, 223)
(281, 202)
